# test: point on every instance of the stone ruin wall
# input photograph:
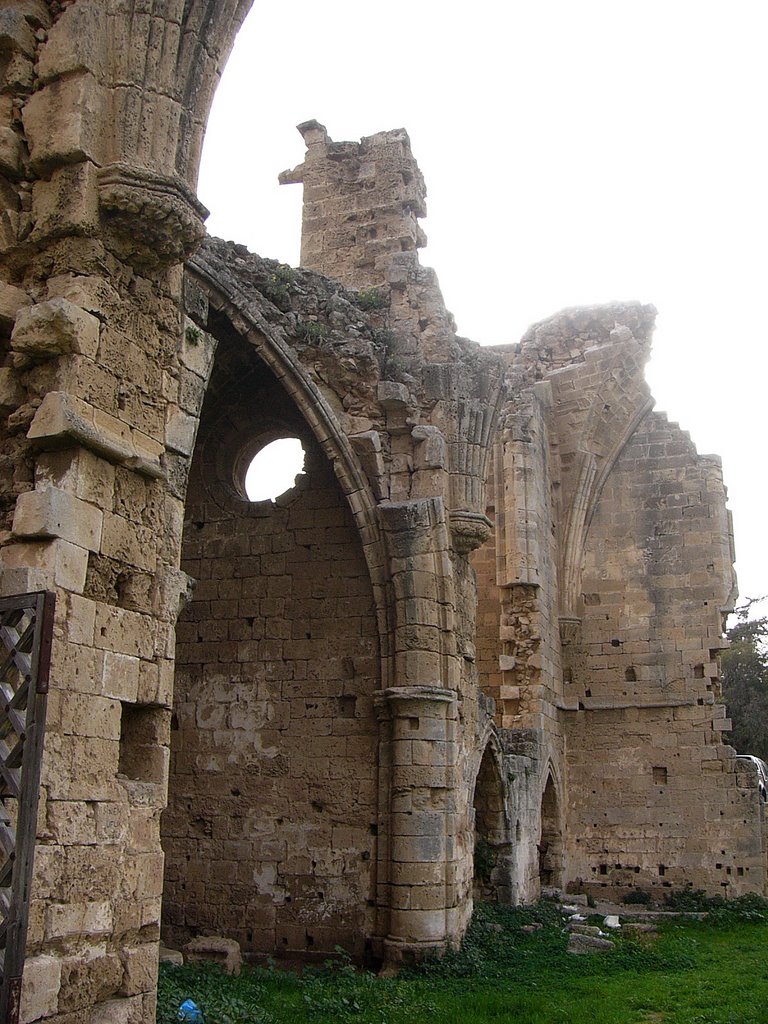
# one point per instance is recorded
(361, 204)
(661, 802)
(642, 588)
(102, 112)
(269, 836)
(518, 640)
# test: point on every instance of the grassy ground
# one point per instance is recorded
(713, 972)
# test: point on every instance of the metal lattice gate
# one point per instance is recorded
(26, 629)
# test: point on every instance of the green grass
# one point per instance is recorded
(694, 973)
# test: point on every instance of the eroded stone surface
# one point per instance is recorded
(471, 655)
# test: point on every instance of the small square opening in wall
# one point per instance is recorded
(659, 776)
(144, 732)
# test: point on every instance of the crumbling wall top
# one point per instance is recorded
(362, 201)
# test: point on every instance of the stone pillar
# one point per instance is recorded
(419, 719)
(419, 747)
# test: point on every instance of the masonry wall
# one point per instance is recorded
(362, 202)
(657, 801)
(270, 833)
(103, 115)
(518, 637)
(103, 112)
(488, 614)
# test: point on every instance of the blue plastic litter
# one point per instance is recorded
(190, 1013)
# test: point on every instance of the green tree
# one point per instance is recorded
(744, 670)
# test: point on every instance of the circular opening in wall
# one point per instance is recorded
(273, 469)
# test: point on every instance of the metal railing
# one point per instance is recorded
(26, 631)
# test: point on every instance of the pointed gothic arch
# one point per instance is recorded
(493, 839)
(551, 844)
(275, 736)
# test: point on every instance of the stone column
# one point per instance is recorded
(418, 718)
(419, 747)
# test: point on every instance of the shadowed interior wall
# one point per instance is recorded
(551, 842)
(270, 830)
(493, 850)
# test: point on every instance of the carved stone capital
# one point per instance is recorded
(469, 530)
(155, 220)
(405, 701)
(570, 629)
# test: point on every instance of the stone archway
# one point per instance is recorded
(493, 849)
(273, 782)
(551, 841)
(106, 109)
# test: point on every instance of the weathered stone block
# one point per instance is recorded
(139, 969)
(60, 563)
(80, 472)
(63, 122)
(124, 632)
(121, 676)
(171, 956)
(12, 394)
(64, 920)
(197, 350)
(133, 1010)
(40, 988)
(128, 542)
(93, 293)
(180, 431)
(11, 152)
(76, 43)
(585, 944)
(71, 822)
(210, 947)
(12, 300)
(88, 979)
(55, 513)
(53, 327)
(66, 202)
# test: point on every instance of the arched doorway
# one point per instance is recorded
(492, 842)
(269, 835)
(551, 841)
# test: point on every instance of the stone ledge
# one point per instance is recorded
(53, 512)
(63, 420)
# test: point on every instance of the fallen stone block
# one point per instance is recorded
(639, 928)
(584, 929)
(584, 944)
(578, 898)
(529, 929)
(219, 950)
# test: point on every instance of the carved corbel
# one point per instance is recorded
(469, 530)
(155, 220)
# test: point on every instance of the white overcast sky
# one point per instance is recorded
(575, 151)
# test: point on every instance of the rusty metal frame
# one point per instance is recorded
(26, 634)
